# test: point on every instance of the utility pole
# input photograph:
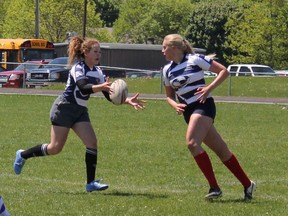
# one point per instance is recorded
(84, 19)
(37, 17)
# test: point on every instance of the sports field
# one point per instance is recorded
(143, 157)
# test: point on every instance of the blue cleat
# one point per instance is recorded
(19, 162)
(3, 210)
(96, 186)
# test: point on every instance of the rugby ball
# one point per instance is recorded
(119, 92)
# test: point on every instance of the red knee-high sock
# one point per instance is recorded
(233, 165)
(205, 165)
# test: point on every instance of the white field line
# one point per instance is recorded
(130, 187)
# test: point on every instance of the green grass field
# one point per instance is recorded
(144, 159)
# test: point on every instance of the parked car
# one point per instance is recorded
(250, 70)
(2, 69)
(155, 74)
(209, 74)
(113, 72)
(56, 71)
(14, 78)
(136, 74)
(281, 72)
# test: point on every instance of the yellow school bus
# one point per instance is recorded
(20, 50)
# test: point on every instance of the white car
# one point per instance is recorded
(250, 70)
(209, 74)
(281, 72)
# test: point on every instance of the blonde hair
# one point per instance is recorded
(78, 46)
(177, 40)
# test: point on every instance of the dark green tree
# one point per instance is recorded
(205, 28)
(166, 17)
(108, 10)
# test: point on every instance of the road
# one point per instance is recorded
(230, 99)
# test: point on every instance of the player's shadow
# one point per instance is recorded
(128, 194)
(228, 201)
(116, 193)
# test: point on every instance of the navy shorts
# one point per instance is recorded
(207, 109)
(66, 114)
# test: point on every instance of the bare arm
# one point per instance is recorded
(171, 99)
(222, 74)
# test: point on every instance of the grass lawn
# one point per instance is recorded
(143, 157)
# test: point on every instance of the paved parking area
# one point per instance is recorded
(231, 99)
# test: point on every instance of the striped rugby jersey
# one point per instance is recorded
(81, 71)
(187, 76)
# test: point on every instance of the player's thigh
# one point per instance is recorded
(86, 133)
(198, 128)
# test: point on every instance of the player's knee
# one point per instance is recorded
(92, 145)
(53, 150)
(192, 145)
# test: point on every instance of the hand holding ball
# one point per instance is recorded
(119, 92)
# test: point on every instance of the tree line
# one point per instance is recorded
(237, 31)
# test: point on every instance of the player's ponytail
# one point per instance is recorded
(187, 48)
(75, 49)
(177, 40)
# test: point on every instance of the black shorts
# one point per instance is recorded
(66, 114)
(207, 109)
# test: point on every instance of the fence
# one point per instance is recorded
(31, 74)
(17, 78)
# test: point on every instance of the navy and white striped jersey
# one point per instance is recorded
(187, 76)
(81, 71)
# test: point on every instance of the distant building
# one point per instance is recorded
(136, 56)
